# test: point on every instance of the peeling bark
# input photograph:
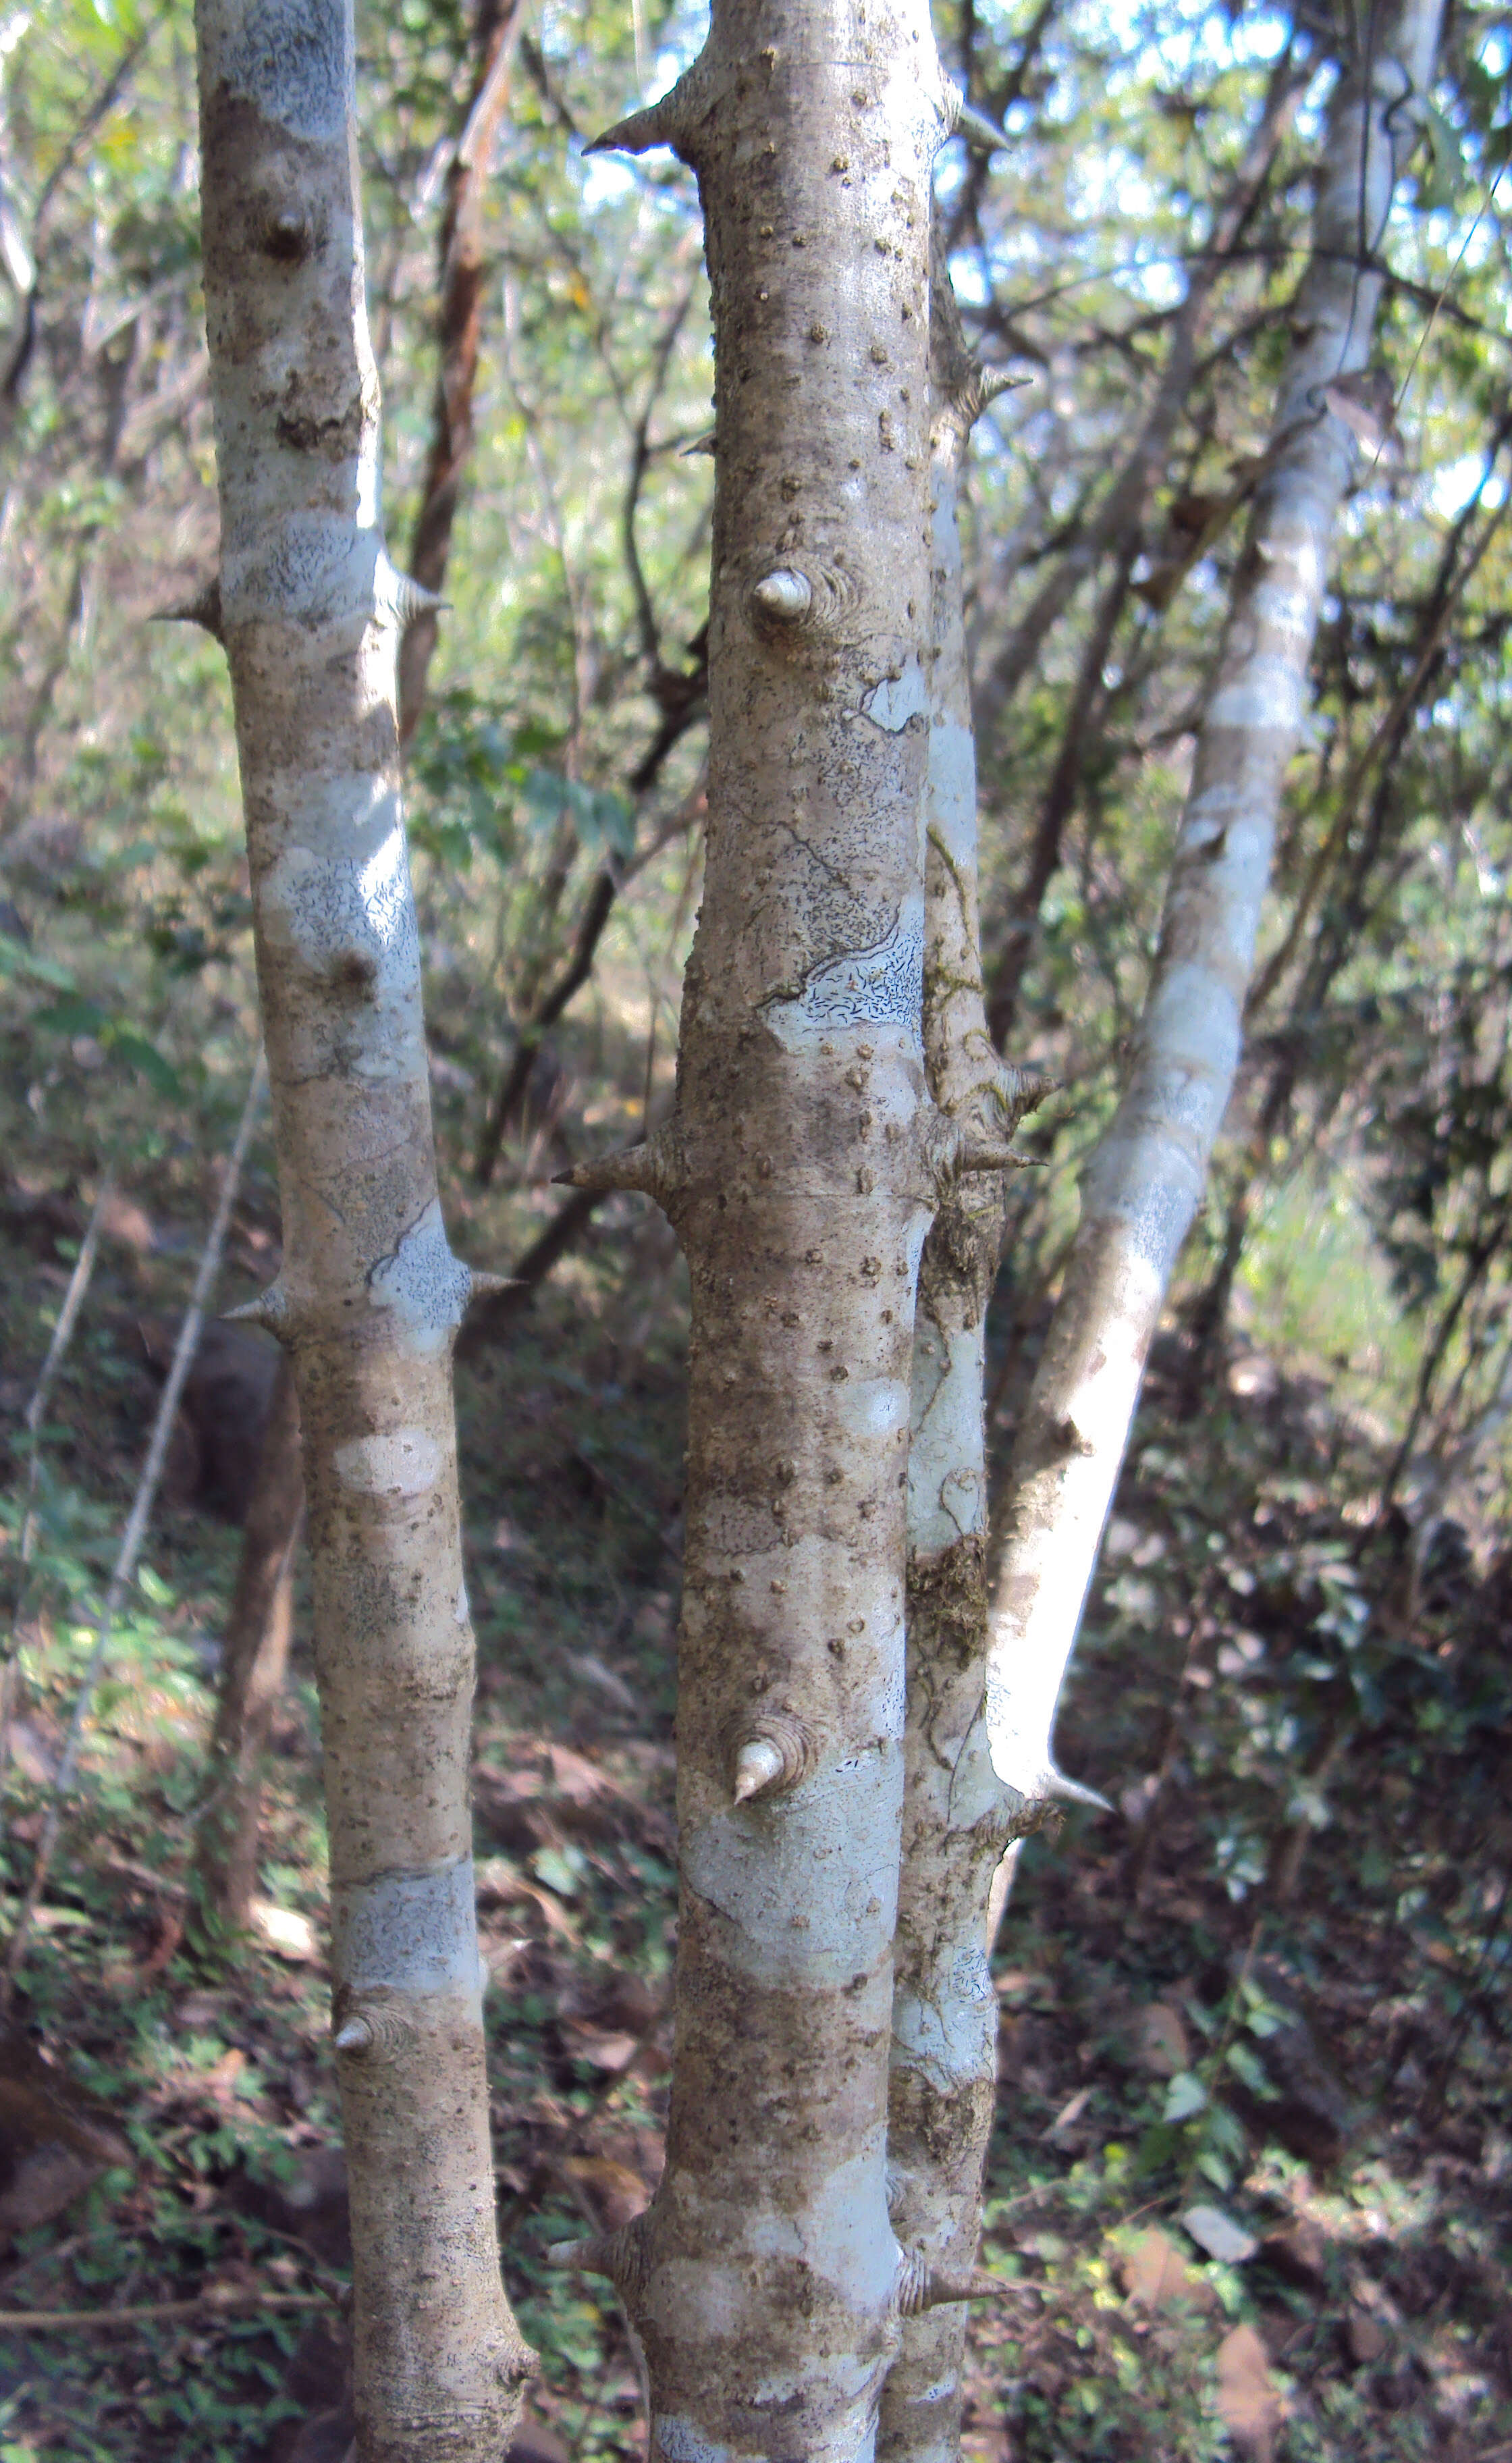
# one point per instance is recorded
(800, 1170)
(1143, 1184)
(369, 1297)
(957, 1816)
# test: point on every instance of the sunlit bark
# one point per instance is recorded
(800, 1170)
(1142, 1185)
(369, 1295)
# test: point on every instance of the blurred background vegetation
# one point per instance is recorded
(1273, 1987)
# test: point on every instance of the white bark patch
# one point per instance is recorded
(309, 565)
(953, 790)
(407, 1462)
(1267, 693)
(292, 62)
(852, 2436)
(848, 2213)
(880, 985)
(950, 2039)
(407, 1932)
(423, 1284)
(330, 911)
(897, 699)
(809, 1880)
(1285, 611)
(892, 1704)
(868, 1407)
(675, 2437)
(947, 1494)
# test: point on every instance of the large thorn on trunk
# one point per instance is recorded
(203, 609)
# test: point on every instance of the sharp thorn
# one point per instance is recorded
(996, 381)
(486, 1287)
(783, 595)
(944, 2291)
(268, 1308)
(1071, 1791)
(203, 609)
(757, 1764)
(978, 130)
(640, 133)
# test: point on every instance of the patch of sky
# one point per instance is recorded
(1449, 490)
(968, 282)
(1208, 42)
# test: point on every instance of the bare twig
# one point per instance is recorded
(36, 1418)
(126, 1567)
(220, 2301)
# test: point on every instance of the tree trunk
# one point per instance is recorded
(256, 1656)
(799, 1169)
(252, 1676)
(957, 1816)
(460, 319)
(1143, 1184)
(369, 1297)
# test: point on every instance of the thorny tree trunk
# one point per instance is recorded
(369, 1295)
(799, 1169)
(957, 1816)
(259, 1628)
(1141, 1188)
(252, 1676)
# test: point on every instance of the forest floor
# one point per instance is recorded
(1251, 2184)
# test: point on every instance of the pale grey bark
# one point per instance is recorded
(957, 1816)
(800, 1171)
(369, 1297)
(1142, 1185)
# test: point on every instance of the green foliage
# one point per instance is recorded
(1257, 1675)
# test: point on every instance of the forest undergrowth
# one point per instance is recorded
(1249, 2190)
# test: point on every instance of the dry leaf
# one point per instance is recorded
(285, 1930)
(1367, 403)
(613, 2053)
(1163, 2045)
(1249, 2400)
(1153, 2271)
(1368, 2339)
(617, 2195)
(1070, 2112)
(585, 1664)
(1220, 2234)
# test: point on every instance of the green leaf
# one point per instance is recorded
(73, 1016)
(545, 796)
(1184, 2096)
(1249, 2071)
(147, 1062)
(560, 1868)
(16, 959)
(1440, 182)
(1225, 2130)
